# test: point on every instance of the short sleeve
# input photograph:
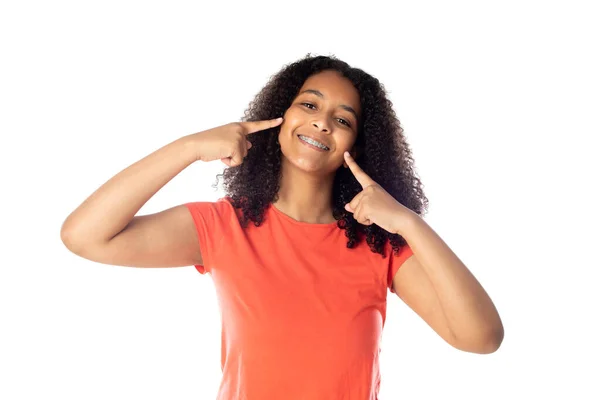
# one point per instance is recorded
(211, 220)
(396, 261)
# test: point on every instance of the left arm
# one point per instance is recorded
(433, 281)
(435, 284)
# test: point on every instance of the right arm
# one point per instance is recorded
(104, 227)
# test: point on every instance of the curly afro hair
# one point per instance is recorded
(384, 153)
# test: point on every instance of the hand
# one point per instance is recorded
(373, 205)
(228, 142)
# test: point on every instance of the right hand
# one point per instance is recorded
(228, 142)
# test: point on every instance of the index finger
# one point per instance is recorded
(360, 175)
(255, 126)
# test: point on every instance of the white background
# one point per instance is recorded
(499, 102)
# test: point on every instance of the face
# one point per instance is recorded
(322, 110)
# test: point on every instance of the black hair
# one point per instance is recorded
(384, 153)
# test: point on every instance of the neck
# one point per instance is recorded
(304, 196)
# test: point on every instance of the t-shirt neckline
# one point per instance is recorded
(301, 223)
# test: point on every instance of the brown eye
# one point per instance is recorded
(339, 119)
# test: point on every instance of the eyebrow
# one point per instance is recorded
(344, 106)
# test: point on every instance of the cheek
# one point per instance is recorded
(290, 123)
(293, 115)
(347, 143)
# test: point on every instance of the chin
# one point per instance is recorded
(306, 164)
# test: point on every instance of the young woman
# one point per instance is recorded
(336, 209)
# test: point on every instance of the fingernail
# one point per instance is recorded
(346, 153)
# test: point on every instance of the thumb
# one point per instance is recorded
(232, 161)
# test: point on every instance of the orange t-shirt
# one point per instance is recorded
(302, 315)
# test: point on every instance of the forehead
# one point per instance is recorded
(334, 88)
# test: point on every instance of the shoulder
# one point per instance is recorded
(212, 212)
(225, 205)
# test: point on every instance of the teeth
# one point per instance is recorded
(313, 142)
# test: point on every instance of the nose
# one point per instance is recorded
(321, 125)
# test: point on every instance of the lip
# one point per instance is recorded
(315, 139)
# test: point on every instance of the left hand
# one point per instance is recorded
(373, 205)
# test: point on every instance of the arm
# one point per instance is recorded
(442, 291)
(433, 281)
(103, 227)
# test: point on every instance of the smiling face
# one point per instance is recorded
(326, 109)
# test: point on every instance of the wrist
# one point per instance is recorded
(189, 145)
(408, 224)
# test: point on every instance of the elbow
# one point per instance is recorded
(484, 344)
(494, 338)
(71, 241)
(65, 233)
(65, 237)
(491, 344)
